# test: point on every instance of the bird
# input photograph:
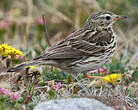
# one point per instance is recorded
(86, 49)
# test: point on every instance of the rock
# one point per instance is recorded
(73, 104)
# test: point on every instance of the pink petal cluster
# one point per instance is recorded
(4, 24)
(3, 91)
(20, 57)
(102, 70)
(39, 21)
(58, 86)
(14, 96)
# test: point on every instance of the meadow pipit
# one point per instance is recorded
(85, 49)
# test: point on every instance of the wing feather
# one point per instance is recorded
(77, 47)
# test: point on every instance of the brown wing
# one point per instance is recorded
(79, 44)
(62, 51)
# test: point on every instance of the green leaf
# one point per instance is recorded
(52, 94)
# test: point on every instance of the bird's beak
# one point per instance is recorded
(117, 17)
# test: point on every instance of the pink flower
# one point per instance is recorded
(93, 71)
(58, 86)
(102, 70)
(20, 57)
(13, 82)
(39, 21)
(7, 92)
(14, 96)
(4, 24)
(2, 90)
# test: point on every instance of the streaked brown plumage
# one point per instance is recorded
(86, 49)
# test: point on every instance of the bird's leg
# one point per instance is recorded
(85, 74)
(91, 77)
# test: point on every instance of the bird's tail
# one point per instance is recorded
(24, 65)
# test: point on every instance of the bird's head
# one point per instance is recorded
(103, 19)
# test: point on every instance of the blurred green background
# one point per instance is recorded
(21, 22)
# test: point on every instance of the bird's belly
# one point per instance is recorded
(89, 64)
(93, 62)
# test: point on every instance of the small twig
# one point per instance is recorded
(46, 32)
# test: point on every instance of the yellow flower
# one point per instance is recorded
(112, 78)
(7, 51)
(30, 67)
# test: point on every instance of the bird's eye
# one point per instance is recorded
(108, 17)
